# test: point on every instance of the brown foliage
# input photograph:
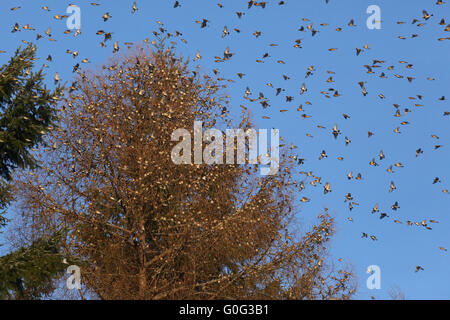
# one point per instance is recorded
(150, 229)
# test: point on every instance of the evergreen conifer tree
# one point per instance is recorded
(26, 113)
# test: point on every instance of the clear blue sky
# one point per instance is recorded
(399, 247)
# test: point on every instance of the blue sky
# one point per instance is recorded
(399, 247)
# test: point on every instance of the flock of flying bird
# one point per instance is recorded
(377, 68)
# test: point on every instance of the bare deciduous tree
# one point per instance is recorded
(150, 229)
